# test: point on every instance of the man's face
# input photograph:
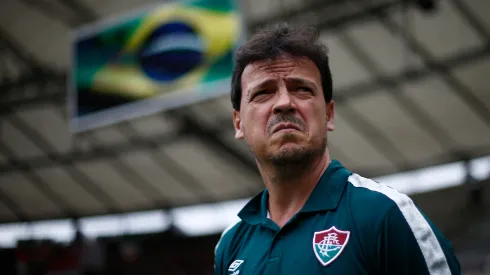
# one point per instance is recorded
(283, 115)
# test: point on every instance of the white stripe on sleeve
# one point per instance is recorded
(426, 239)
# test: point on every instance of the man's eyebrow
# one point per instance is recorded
(258, 85)
(303, 81)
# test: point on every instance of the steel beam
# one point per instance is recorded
(411, 74)
(36, 138)
(463, 92)
(86, 14)
(411, 108)
(27, 61)
(210, 136)
(39, 184)
(14, 207)
(173, 169)
(95, 153)
(356, 17)
(465, 12)
(377, 138)
(28, 91)
(52, 10)
(131, 176)
(308, 8)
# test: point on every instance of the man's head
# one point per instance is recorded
(282, 95)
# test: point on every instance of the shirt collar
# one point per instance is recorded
(325, 196)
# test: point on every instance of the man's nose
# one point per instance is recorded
(284, 102)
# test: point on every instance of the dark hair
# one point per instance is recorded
(269, 44)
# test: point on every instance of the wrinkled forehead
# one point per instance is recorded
(280, 68)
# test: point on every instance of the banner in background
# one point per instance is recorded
(162, 57)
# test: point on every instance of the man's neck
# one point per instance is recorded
(287, 197)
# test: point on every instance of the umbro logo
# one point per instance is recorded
(234, 266)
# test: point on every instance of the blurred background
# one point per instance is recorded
(117, 151)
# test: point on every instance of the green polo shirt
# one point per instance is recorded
(349, 225)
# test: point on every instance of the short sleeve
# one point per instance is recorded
(408, 243)
(218, 258)
(220, 262)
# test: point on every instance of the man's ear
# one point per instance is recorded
(237, 123)
(330, 115)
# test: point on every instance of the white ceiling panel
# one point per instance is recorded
(3, 159)
(109, 135)
(351, 143)
(290, 5)
(480, 9)
(388, 51)
(221, 105)
(475, 76)
(115, 185)
(113, 8)
(56, 5)
(443, 33)
(27, 196)
(260, 9)
(218, 175)
(18, 143)
(64, 185)
(154, 125)
(228, 136)
(49, 123)
(6, 214)
(346, 71)
(224, 105)
(48, 41)
(212, 111)
(169, 190)
(347, 161)
(390, 118)
(457, 118)
(10, 68)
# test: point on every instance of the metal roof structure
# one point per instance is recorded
(411, 91)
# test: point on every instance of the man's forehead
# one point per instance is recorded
(279, 68)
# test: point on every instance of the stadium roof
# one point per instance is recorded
(411, 92)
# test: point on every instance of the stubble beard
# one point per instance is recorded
(292, 163)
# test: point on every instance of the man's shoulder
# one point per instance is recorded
(368, 189)
(229, 236)
(373, 200)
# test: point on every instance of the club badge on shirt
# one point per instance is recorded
(329, 244)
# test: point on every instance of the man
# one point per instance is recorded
(314, 216)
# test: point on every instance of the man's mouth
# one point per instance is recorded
(285, 126)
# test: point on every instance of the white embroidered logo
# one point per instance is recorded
(234, 266)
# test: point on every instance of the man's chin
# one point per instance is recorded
(289, 154)
(287, 141)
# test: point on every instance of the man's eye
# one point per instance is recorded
(304, 89)
(261, 93)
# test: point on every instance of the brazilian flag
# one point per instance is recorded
(165, 52)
